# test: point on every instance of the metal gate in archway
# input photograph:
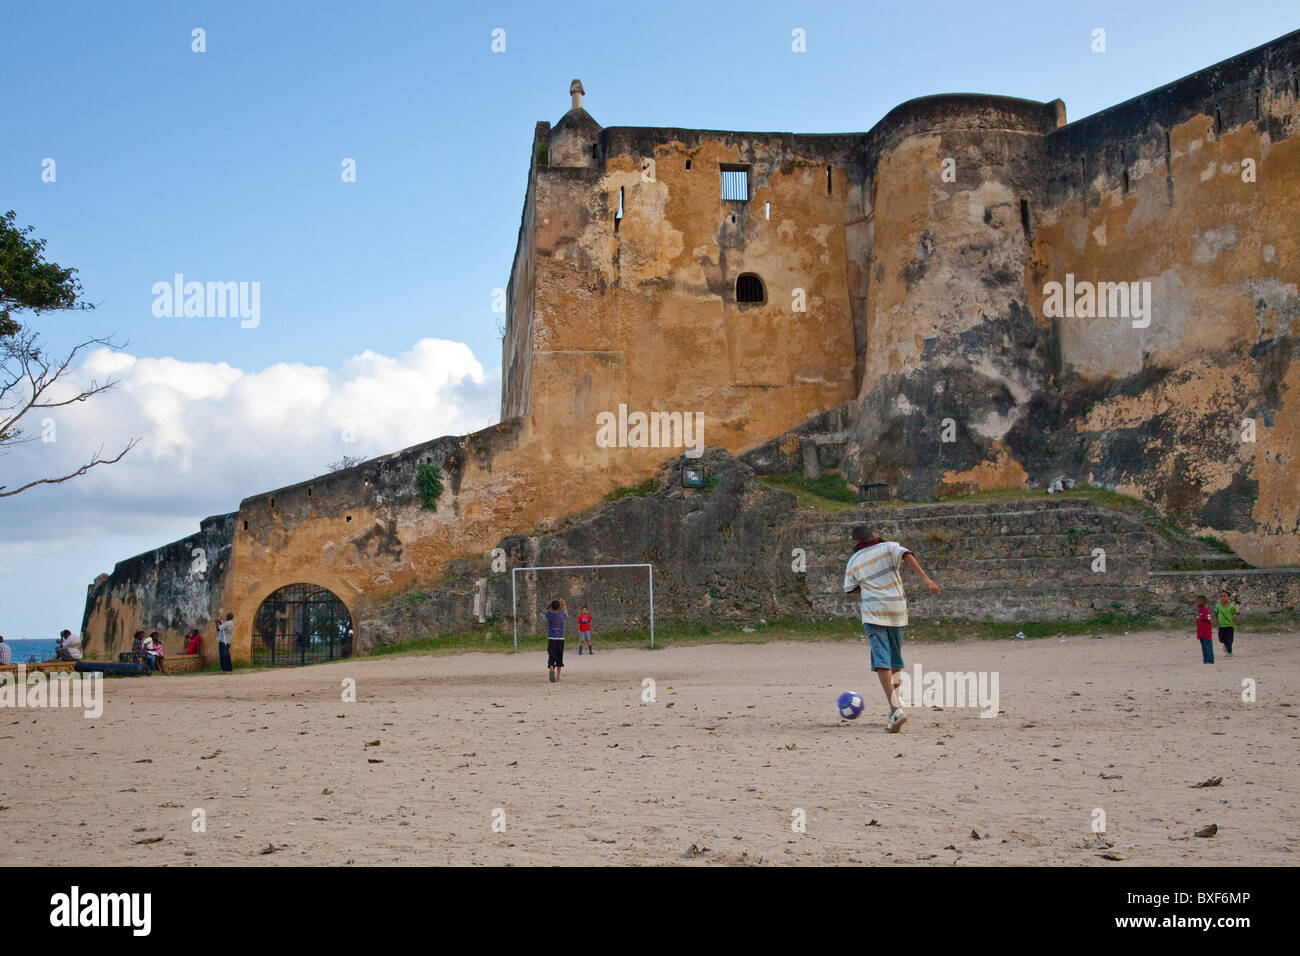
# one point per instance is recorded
(301, 624)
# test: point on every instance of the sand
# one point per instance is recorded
(738, 738)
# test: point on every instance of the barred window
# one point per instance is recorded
(735, 183)
(749, 288)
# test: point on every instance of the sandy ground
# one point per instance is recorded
(739, 737)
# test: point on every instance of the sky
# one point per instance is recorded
(374, 328)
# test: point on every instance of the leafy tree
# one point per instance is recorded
(27, 281)
(28, 375)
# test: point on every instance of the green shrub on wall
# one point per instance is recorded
(430, 485)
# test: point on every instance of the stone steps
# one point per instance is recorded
(979, 535)
(1011, 548)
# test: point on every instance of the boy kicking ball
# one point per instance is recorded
(873, 572)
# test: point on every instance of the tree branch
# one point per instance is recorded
(94, 460)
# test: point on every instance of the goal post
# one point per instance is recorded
(514, 594)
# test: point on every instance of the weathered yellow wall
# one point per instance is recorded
(1223, 260)
(646, 316)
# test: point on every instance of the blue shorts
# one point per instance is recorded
(886, 647)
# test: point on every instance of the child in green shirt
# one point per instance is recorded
(1225, 613)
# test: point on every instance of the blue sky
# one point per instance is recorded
(225, 166)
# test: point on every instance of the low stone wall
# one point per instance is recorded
(1256, 591)
(740, 550)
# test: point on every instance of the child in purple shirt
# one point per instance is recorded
(555, 616)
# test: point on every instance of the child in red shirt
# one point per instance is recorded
(584, 632)
(1205, 629)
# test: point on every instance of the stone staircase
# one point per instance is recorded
(1008, 561)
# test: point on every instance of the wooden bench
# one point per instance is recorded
(183, 664)
(48, 667)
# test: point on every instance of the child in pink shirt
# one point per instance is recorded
(1205, 629)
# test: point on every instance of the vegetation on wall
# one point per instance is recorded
(639, 490)
(831, 486)
(430, 485)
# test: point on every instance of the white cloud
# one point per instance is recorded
(213, 434)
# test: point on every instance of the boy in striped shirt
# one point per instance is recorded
(873, 572)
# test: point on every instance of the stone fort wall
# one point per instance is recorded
(902, 296)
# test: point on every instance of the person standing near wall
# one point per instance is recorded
(224, 632)
(584, 631)
(1225, 613)
(1205, 629)
(555, 616)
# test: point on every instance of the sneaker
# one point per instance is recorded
(896, 721)
(551, 671)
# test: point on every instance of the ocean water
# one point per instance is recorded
(23, 651)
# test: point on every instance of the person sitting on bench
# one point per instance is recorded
(154, 653)
(68, 647)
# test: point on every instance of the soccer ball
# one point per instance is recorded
(849, 705)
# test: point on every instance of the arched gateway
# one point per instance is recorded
(301, 624)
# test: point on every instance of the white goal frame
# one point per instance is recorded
(514, 600)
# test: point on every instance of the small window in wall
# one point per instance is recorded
(767, 210)
(688, 165)
(735, 183)
(828, 180)
(593, 151)
(618, 216)
(749, 288)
